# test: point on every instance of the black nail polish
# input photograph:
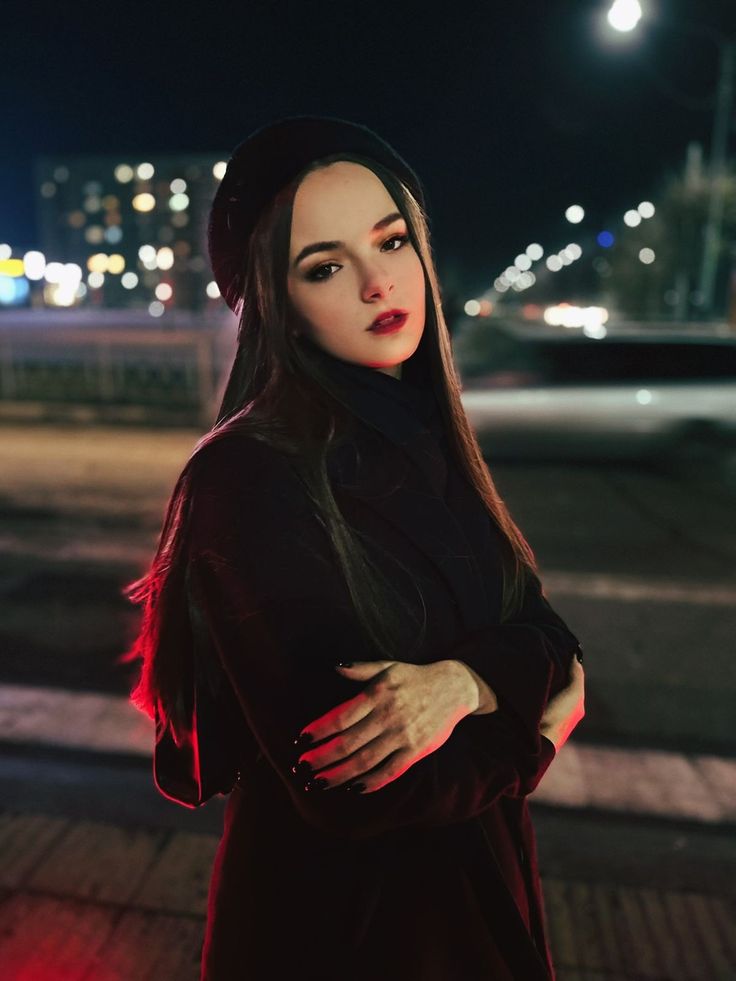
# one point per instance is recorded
(303, 768)
(359, 787)
(344, 664)
(304, 739)
(319, 783)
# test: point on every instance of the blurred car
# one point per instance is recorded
(651, 395)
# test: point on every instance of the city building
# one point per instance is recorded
(120, 231)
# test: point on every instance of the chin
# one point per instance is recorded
(394, 351)
(389, 351)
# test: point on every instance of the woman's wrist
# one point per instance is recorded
(554, 733)
(545, 740)
(482, 700)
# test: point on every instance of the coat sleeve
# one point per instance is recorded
(280, 617)
(525, 660)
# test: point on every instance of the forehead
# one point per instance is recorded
(336, 199)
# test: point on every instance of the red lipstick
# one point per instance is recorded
(389, 322)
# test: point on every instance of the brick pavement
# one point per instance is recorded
(93, 901)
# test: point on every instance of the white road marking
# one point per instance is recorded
(102, 550)
(592, 585)
(636, 589)
(652, 782)
(75, 719)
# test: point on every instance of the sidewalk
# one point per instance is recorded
(93, 901)
(123, 898)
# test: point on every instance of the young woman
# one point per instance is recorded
(342, 616)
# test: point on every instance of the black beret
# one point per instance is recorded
(264, 163)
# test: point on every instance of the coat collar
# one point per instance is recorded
(398, 463)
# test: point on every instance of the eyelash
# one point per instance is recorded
(325, 265)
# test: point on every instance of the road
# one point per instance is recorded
(640, 563)
(634, 826)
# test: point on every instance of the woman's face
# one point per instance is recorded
(337, 292)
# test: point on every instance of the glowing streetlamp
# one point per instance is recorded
(623, 16)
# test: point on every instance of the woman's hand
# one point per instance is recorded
(405, 713)
(566, 709)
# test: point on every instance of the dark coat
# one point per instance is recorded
(434, 877)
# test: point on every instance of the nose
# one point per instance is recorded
(377, 282)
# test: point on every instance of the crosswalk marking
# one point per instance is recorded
(73, 719)
(654, 782)
(589, 585)
(636, 589)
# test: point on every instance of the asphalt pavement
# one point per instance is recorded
(635, 818)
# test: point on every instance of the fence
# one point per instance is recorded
(121, 367)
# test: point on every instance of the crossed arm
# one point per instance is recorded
(279, 615)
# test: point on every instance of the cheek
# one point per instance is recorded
(330, 315)
(318, 307)
(418, 278)
(414, 264)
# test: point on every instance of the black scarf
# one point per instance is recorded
(406, 412)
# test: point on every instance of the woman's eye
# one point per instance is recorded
(402, 238)
(317, 269)
(314, 274)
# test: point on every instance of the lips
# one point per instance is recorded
(392, 326)
(388, 319)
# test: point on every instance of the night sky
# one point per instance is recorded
(508, 112)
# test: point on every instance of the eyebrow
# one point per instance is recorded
(329, 246)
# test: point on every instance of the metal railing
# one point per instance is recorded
(120, 367)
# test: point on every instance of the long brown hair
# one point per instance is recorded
(277, 393)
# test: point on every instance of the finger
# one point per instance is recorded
(357, 766)
(347, 713)
(363, 670)
(389, 770)
(339, 718)
(345, 744)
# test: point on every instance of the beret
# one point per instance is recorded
(264, 163)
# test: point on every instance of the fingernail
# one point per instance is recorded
(303, 768)
(344, 664)
(319, 783)
(360, 787)
(304, 739)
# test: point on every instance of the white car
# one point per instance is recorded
(650, 395)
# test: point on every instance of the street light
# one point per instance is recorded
(623, 16)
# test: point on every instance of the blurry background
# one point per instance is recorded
(578, 160)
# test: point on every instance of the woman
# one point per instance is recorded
(340, 511)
